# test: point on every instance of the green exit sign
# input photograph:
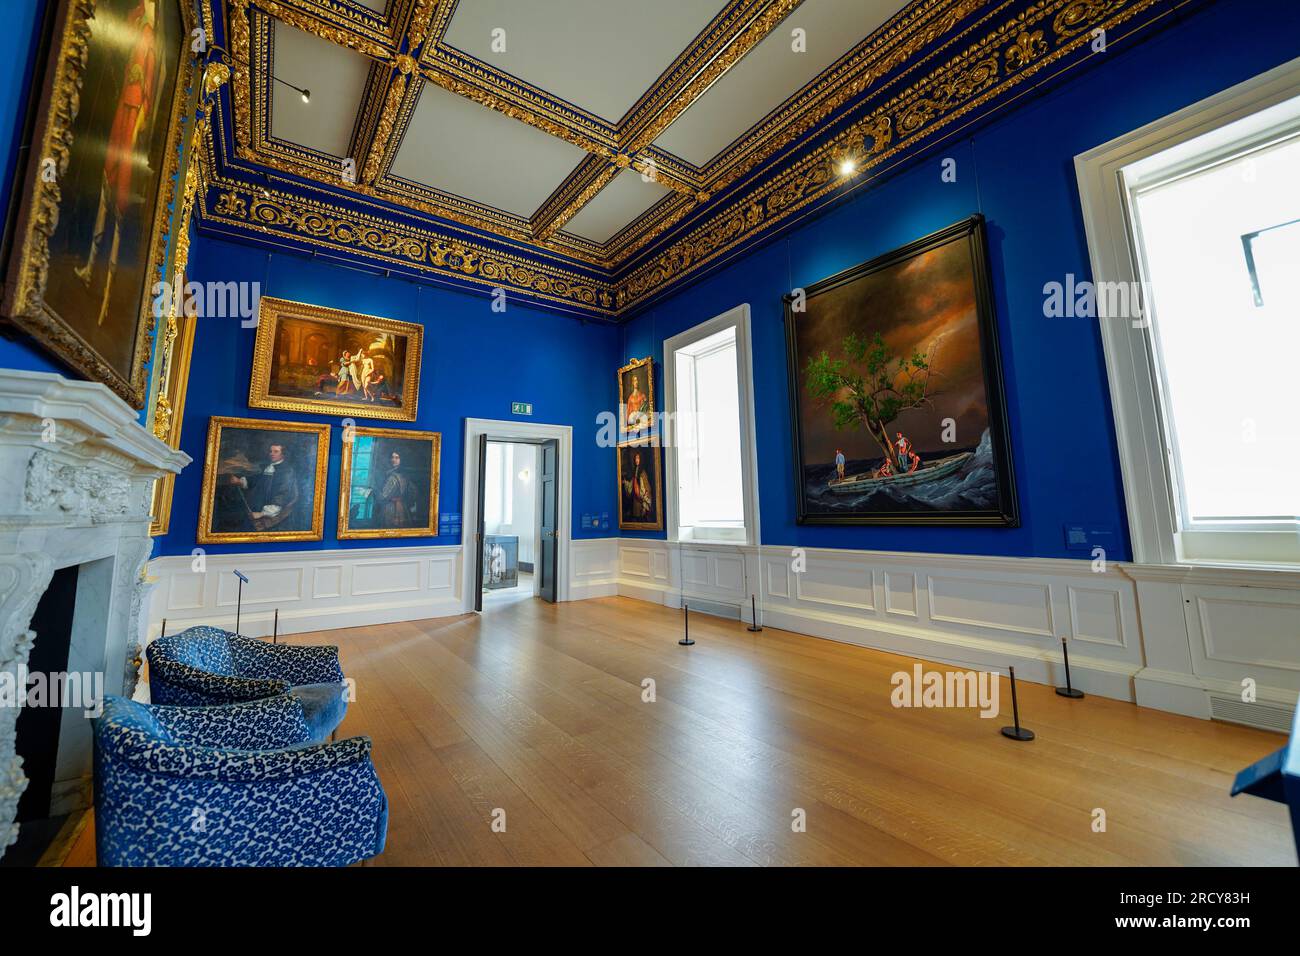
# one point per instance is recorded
(521, 408)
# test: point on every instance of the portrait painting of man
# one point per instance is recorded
(388, 487)
(263, 481)
(311, 358)
(639, 487)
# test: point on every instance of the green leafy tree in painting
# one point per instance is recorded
(869, 387)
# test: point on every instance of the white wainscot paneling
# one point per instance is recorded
(1239, 632)
(312, 590)
(836, 584)
(998, 605)
(715, 575)
(595, 568)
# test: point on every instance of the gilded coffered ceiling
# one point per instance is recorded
(590, 151)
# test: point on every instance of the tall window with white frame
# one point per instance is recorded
(710, 446)
(1197, 217)
(1216, 230)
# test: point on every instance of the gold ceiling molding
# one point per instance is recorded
(986, 70)
(278, 214)
(386, 113)
(1000, 51)
(724, 48)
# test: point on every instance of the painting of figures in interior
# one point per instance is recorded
(640, 506)
(896, 390)
(308, 358)
(636, 399)
(93, 215)
(388, 485)
(263, 481)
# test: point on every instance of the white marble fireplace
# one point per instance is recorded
(76, 474)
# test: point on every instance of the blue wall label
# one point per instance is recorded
(449, 524)
(521, 408)
(586, 521)
(1085, 537)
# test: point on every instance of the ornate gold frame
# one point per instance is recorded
(204, 533)
(658, 523)
(28, 268)
(345, 484)
(631, 438)
(271, 310)
(173, 394)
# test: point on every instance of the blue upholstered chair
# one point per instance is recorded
(231, 785)
(206, 665)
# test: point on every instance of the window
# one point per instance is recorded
(498, 500)
(710, 408)
(1206, 224)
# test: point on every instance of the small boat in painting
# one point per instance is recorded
(940, 468)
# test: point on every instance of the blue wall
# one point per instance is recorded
(476, 362)
(1018, 172)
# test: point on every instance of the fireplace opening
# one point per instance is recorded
(39, 727)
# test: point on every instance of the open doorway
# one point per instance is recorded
(511, 522)
(516, 500)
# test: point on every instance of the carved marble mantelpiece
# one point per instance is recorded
(76, 473)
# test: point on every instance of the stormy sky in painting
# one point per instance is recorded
(926, 304)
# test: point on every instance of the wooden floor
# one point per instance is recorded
(537, 710)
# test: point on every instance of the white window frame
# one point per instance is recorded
(739, 319)
(1107, 176)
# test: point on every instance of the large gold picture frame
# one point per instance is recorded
(299, 351)
(58, 192)
(636, 400)
(394, 496)
(229, 459)
(172, 397)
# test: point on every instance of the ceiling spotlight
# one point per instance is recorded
(306, 96)
(848, 167)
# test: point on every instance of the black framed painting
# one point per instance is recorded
(896, 390)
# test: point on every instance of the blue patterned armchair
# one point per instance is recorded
(207, 665)
(232, 785)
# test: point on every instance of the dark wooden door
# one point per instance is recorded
(548, 458)
(479, 524)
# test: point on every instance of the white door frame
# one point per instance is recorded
(515, 431)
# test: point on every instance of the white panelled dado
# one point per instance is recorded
(1201, 631)
(312, 590)
(594, 568)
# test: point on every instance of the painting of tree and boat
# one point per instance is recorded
(896, 390)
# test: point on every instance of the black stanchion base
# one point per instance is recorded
(1071, 692)
(686, 642)
(753, 629)
(1017, 733)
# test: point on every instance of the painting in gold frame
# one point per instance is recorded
(263, 481)
(94, 199)
(636, 400)
(640, 487)
(309, 358)
(388, 483)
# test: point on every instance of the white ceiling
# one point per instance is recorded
(599, 55)
(771, 72)
(625, 198)
(459, 147)
(336, 77)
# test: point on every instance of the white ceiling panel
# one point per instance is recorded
(459, 147)
(599, 55)
(627, 196)
(336, 77)
(772, 72)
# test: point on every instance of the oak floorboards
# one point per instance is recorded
(532, 715)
